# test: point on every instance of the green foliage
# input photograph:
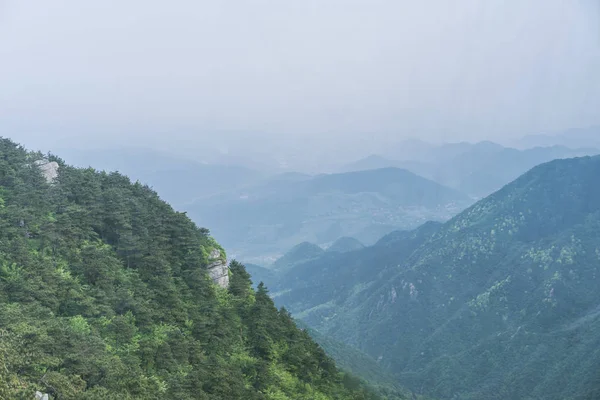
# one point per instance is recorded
(104, 295)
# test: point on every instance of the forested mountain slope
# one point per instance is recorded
(501, 302)
(104, 294)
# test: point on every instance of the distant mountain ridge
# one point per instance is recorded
(278, 213)
(498, 303)
(476, 169)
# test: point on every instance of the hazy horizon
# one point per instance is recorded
(296, 78)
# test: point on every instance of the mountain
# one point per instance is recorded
(345, 244)
(259, 222)
(300, 253)
(476, 169)
(179, 180)
(106, 293)
(500, 302)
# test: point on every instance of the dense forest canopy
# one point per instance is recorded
(104, 295)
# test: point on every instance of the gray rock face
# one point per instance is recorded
(41, 396)
(48, 168)
(218, 269)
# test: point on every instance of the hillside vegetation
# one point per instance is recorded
(104, 295)
(501, 302)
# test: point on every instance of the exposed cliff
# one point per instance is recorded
(48, 168)
(218, 270)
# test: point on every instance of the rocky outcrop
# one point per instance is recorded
(48, 168)
(41, 396)
(218, 269)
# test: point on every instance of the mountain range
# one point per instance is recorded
(270, 217)
(500, 302)
(475, 169)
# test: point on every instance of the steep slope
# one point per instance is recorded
(269, 218)
(104, 294)
(501, 302)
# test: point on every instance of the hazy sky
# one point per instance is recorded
(100, 71)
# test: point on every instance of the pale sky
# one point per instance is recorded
(153, 71)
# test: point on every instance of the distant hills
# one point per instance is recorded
(476, 169)
(274, 215)
(500, 302)
(574, 138)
